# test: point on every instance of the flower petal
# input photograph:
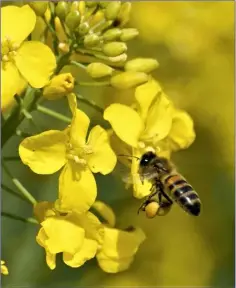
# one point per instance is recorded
(103, 159)
(17, 23)
(77, 189)
(106, 212)
(63, 235)
(182, 133)
(44, 153)
(36, 62)
(146, 94)
(87, 252)
(51, 260)
(113, 266)
(119, 244)
(10, 80)
(159, 120)
(43, 210)
(126, 123)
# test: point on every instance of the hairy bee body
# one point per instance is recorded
(167, 183)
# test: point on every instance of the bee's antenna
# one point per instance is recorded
(129, 156)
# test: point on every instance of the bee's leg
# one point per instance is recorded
(161, 194)
(144, 204)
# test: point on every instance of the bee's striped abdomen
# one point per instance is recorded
(183, 193)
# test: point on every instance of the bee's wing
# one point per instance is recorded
(135, 178)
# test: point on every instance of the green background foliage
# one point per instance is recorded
(180, 250)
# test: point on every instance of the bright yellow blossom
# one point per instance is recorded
(48, 152)
(78, 237)
(4, 269)
(155, 124)
(22, 61)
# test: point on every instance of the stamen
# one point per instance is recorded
(141, 145)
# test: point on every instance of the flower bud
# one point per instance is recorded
(83, 28)
(112, 10)
(59, 86)
(60, 32)
(113, 49)
(82, 7)
(104, 4)
(124, 14)
(62, 9)
(95, 19)
(64, 47)
(91, 40)
(118, 59)
(128, 34)
(39, 7)
(111, 34)
(91, 3)
(127, 80)
(97, 70)
(48, 15)
(74, 6)
(145, 65)
(72, 20)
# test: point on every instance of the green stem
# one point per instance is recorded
(78, 64)
(19, 186)
(96, 84)
(62, 60)
(11, 158)
(16, 217)
(53, 113)
(91, 103)
(14, 193)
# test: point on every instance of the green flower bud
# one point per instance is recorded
(112, 10)
(104, 4)
(72, 19)
(111, 34)
(113, 49)
(39, 7)
(128, 34)
(97, 70)
(91, 40)
(62, 9)
(83, 28)
(145, 65)
(127, 80)
(74, 6)
(91, 3)
(124, 14)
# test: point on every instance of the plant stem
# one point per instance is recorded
(53, 113)
(11, 158)
(16, 217)
(96, 84)
(19, 186)
(91, 103)
(78, 64)
(14, 193)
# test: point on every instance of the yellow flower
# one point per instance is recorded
(49, 151)
(78, 237)
(155, 124)
(4, 269)
(22, 61)
(118, 246)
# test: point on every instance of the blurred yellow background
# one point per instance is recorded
(194, 44)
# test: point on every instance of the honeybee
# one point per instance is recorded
(167, 185)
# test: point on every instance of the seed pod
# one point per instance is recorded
(91, 3)
(124, 14)
(72, 20)
(60, 32)
(91, 40)
(98, 70)
(59, 86)
(83, 28)
(62, 9)
(145, 65)
(112, 10)
(113, 49)
(128, 34)
(111, 34)
(127, 80)
(39, 7)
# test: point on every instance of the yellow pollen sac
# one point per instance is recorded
(8, 49)
(78, 154)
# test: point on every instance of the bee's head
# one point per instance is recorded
(147, 159)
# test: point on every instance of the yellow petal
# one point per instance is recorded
(41, 238)
(103, 159)
(182, 132)
(158, 123)
(146, 94)
(43, 210)
(106, 212)
(113, 266)
(10, 80)
(36, 62)
(140, 189)
(77, 189)
(4, 269)
(87, 252)
(51, 260)
(120, 244)
(126, 123)
(63, 235)
(44, 153)
(17, 23)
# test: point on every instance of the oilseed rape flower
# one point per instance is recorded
(155, 124)
(48, 152)
(22, 61)
(4, 269)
